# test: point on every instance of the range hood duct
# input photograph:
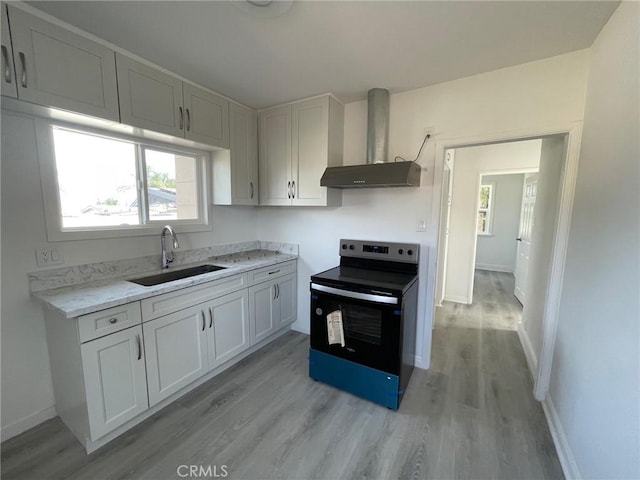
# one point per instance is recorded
(377, 172)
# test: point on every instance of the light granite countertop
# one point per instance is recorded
(87, 297)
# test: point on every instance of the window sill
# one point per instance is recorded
(485, 234)
(137, 231)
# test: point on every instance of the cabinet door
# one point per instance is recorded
(310, 141)
(244, 155)
(286, 297)
(115, 380)
(8, 77)
(228, 332)
(206, 117)
(149, 98)
(275, 156)
(176, 347)
(263, 311)
(58, 68)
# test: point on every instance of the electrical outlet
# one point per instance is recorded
(47, 256)
(421, 226)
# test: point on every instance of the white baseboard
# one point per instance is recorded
(24, 424)
(494, 268)
(565, 455)
(529, 353)
(457, 299)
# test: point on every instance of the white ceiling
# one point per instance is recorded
(341, 47)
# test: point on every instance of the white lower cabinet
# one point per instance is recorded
(176, 347)
(185, 345)
(115, 380)
(111, 367)
(272, 306)
(228, 334)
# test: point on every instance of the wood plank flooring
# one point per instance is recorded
(470, 416)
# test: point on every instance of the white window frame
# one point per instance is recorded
(489, 210)
(51, 197)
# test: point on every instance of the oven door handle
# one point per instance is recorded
(357, 295)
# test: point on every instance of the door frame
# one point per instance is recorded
(573, 133)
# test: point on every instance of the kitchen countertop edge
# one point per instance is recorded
(78, 300)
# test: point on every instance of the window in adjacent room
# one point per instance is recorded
(485, 209)
(102, 185)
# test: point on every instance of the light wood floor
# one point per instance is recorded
(494, 305)
(471, 416)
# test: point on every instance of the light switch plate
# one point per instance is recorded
(421, 226)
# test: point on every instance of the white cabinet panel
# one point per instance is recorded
(262, 309)
(176, 347)
(206, 116)
(58, 68)
(297, 142)
(115, 380)
(235, 173)
(8, 75)
(275, 156)
(149, 98)
(310, 124)
(110, 320)
(229, 327)
(287, 299)
(272, 305)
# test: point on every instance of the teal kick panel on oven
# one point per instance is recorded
(375, 385)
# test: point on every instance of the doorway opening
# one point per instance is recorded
(549, 226)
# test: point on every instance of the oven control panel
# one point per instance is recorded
(393, 252)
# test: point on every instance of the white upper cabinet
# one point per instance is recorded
(58, 68)
(149, 98)
(9, 88)
(154, 100)
(275, 156)
(297, 142)
(206, 116)
(235, 173)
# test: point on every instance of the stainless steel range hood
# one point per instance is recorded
(376, 172)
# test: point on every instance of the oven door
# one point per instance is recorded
(372, 326)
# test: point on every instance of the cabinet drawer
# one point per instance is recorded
(104, 322)
(269, 273)
(167, 303)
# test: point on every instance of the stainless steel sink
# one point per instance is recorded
(175, 275)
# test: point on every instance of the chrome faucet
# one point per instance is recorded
(168, 258)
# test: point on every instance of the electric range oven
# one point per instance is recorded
(369, 351)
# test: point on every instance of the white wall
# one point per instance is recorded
(595, 380)
(497, 251)
(470, 164)
(552, 158)
(27, 394)
(532, 97)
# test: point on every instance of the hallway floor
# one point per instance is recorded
(494, 304)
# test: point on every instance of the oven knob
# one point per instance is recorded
(409, 252)
(400, 251)
(344, 246)
(318, 311)
(351, 247)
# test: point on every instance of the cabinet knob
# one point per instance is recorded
(113, 320)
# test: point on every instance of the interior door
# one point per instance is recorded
(445, 214)
(527, 221)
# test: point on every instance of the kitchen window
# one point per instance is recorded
(485, 209)
(98, 184)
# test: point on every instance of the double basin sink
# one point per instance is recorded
(175, 275)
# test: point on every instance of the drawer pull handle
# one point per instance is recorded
(113, 320)
(210, 317)
(188, 120)
(275, 271)
(277, 291)
(7, 67)
(251, 185)
(23, 77)
(139, 346)
(204, 322)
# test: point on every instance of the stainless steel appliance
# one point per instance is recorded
(373, 293)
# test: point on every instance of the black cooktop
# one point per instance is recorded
(363, 279)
